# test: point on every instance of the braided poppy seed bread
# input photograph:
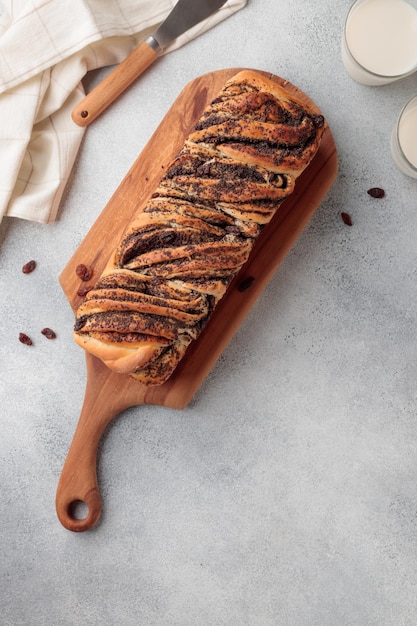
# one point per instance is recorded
(181, 251)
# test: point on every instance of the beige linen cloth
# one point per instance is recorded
(46, 48)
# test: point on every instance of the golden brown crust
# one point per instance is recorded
(181, 251)
(257, 121)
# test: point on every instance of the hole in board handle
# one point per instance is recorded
(78, 510)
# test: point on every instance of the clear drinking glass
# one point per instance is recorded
(404, 139)
(379, 44)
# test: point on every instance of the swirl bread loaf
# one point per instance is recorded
(183, 248)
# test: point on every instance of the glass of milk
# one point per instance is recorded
(404, 140)
(379, 42)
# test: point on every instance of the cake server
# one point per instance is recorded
(184, 15)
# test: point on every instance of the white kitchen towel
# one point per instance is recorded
(46, 48)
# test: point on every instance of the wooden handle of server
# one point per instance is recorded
(114, 84)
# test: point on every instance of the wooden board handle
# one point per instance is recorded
(114, 84)
(78, 484)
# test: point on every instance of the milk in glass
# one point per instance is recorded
(380, 40)
(404, 140)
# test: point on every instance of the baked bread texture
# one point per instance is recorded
(185, 245)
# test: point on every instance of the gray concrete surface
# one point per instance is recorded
(286, 493)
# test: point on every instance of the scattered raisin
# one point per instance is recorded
(376, 192)
(347, 219)
(245, 283)
(83, 291)
(29, 267)
(48, 333)
(83, 272)
(24, 338)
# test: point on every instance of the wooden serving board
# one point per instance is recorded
(108, 393)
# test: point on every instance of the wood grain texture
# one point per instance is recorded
(108, 393)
